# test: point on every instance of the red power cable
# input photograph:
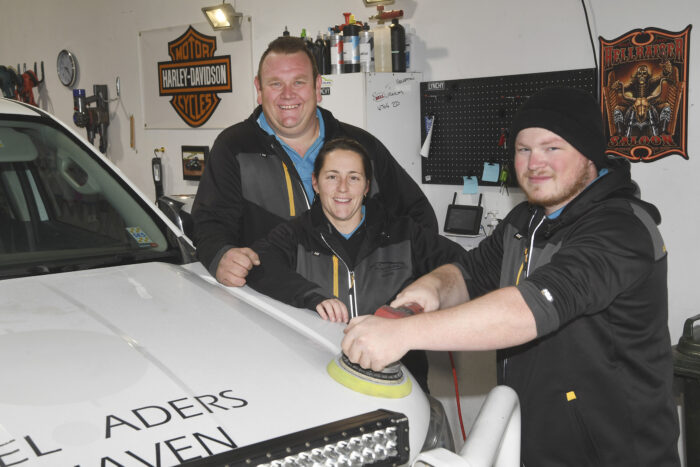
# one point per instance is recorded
(459, 406)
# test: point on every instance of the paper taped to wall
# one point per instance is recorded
(425, 149)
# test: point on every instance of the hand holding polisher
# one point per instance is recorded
(391, 382)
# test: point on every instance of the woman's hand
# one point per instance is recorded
(333, 309)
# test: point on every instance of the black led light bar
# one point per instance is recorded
(378, 438)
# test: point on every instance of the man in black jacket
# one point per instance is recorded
(259, 171)
(571, 290)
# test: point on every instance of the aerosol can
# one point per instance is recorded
(366, 49)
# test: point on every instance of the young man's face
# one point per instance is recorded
(550, 171)
(288, 94)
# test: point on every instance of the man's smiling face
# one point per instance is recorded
(550, 171)
(289, 93)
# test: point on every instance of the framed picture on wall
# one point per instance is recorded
(194, 158)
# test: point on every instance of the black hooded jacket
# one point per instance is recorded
(250, 185)
(595, 386)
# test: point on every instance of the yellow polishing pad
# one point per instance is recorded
(394, 389)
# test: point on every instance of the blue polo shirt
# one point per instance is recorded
(304, 163)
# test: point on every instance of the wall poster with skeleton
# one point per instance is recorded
(644, 93)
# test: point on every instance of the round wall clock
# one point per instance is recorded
(67, 67)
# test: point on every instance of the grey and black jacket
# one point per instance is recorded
(595, 386)
(305, 261)
(250, 185)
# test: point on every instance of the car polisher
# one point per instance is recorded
(392, 382)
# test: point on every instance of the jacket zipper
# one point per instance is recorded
(303, 190)
(527, 261)
(532, 246)
(351, 280)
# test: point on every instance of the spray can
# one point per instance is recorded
(398, 46)
(351, 46)
(366, 49)
(336, 51)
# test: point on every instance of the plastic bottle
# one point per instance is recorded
(322, 55)
(351, 46)
(285, 32)
(336, 51)
(307, 39)
(366, 49)
(398, 46)
(409, 38)
(327, 52)
(382, 48)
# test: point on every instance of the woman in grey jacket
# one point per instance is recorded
(346, 256)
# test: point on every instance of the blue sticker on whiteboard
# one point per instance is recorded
(471, 186)
(491, 171)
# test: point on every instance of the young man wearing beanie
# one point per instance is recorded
(571, 290)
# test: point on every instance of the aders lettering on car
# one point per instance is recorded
(184, 447)
(194, 76)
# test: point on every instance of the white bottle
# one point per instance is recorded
(382, 48)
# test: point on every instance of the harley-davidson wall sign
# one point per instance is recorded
(644, 93)
(194, 76)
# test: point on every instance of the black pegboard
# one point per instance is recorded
(471, 115)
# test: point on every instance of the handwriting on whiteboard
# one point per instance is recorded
(388, 99)
(392, 94)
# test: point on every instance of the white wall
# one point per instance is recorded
(453, 39)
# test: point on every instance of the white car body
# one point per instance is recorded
(155, 363)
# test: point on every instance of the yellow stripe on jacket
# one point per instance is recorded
(290, 193)
(335, 276)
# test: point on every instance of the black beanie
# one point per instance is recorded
(570, 113)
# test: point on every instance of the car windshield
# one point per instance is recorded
(62, 208)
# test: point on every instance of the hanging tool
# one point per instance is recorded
(93, 119)
(29, 82)
(10, 82)
(157, 171)
(392, 382)
(7, 82)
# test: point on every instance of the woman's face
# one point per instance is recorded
(341, 186)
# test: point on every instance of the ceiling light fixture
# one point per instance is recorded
(222, 16)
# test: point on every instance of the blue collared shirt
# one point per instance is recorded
(347, 236)
(304, 163)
